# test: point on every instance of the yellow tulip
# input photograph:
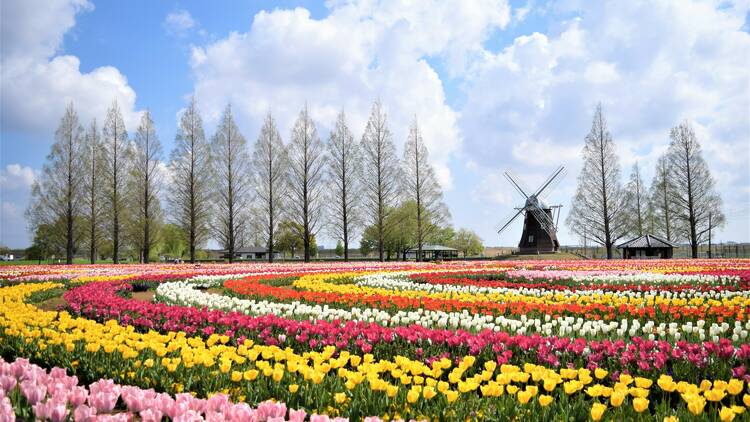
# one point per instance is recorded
(641, 382)
(714, 395)
(696, 405)
(595, 390)
(597, 411)
(726, 414)
(545, 400)
(524, 396)
(293, 388)
(236, 376)
(412, 396)
(600, 373)
(250, 374)
(746, 400)
(705, 385)
(451, 395)
(339, 397)
(671, 419)
(735, 386)
(640, 404)
(571, 387)
(666, 383)
(429, 392)
(617, 398)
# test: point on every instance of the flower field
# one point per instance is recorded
(542, 340)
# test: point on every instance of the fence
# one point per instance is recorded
(719, 250)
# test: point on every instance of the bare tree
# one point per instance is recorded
(660, 200)
(307, 162)
(636, 203)
(597, 209)
(114, 149)
(189, 194)
(269, 166)
(380, 175)
(144, 186)
(231, 173)
(57, 193)
(421, 186)
(696, 204)
(92, 186)
(343, 153)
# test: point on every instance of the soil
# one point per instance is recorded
(52, 304)
(146, 296)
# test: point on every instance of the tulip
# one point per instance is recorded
(597, 411)
(726, 414)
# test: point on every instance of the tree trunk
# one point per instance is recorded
(146, 237)
(608, 241)
(69, 216)
(270, 206)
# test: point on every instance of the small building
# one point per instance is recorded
(251, 253)
(647, 246)
(433, 253)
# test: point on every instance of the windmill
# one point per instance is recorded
(540, 220)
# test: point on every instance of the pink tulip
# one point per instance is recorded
(6, 411)
(7, 382)
(83, 413)
(57, 411)
(297, 415)
(33, 392)
(150, 415)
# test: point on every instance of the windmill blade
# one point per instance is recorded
(505, 226)
(549, 180)
(553, 185)
(516, 183)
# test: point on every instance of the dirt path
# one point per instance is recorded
(146, 296)
(52, 304)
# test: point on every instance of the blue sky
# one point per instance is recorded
(496, 85)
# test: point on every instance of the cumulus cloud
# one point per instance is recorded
(179, 23)
(37, 83)
(651, 65)
(16, 176)
(359, 52)
(15, 187)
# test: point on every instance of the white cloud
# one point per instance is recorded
(16, 176)
(35, 29)
(37, 83)
(652, 65)
(601, 73)
(179, 23)
(15, 187)
(360, 52)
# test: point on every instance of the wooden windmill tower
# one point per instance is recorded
(540, 220)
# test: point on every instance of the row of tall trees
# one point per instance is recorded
(681, 204)
(104, 188)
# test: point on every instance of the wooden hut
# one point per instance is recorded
(647, 246)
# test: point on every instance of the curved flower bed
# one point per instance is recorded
(189, 293)
(319, 290)
(515, 346)
(101, 302)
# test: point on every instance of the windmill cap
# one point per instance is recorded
(543, 205)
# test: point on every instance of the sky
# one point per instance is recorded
(495, 84)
